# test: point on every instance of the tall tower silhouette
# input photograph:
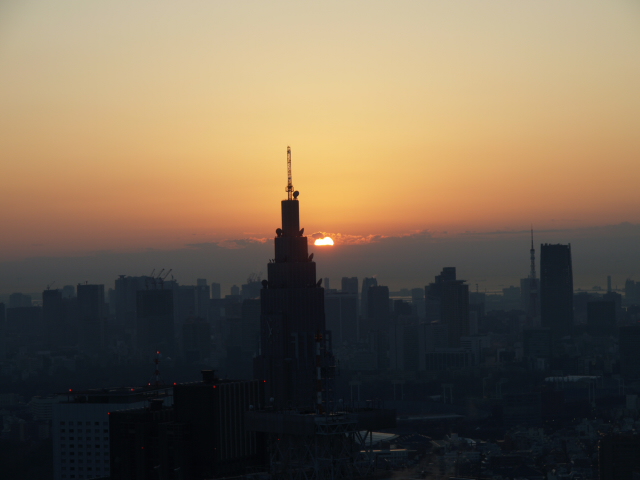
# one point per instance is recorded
(292, 321)
(530, 289)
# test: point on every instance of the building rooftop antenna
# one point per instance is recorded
(289, 188)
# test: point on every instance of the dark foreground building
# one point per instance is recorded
(202, 435)
(619, 457)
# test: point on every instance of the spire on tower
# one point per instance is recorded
(289, 188)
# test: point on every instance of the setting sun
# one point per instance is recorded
(324, 241)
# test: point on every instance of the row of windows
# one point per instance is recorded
(88, 430)
(63, 445)
(89, 469)
(88, 439)
(81, 461)
(80, 454)
(85, 423)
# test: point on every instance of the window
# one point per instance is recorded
(61, 423)
(87, 423)
(62, 438)
(62, 430)
(97, 423)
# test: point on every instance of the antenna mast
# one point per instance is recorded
(532, 274)
(289, 188)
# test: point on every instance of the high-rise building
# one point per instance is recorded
(454, 310)
(341, 311)
(91, 311)
(155, 327)
(556, 289)
(433, 293)
(378, 312)
(53, 315)
(203, 295)
(216, 292)
(292, 320)
(629, 343)
(350, 285)
(80, 428)
(125, 299)
(367, 283)
(447, 300)
(215, 411)
(19, 300)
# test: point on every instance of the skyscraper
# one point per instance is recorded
(155, 326)
(91, 316)
(292, 314)
(556, 289)
(350, 285)
(447, 300)
(454, 310)
(367, 283)
(53, 316)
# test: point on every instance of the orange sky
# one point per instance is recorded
(127, 125)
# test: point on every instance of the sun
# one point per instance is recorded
(324, 241)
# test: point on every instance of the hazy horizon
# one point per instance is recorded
(492, 260)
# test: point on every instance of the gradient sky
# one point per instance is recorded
(132, 125)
